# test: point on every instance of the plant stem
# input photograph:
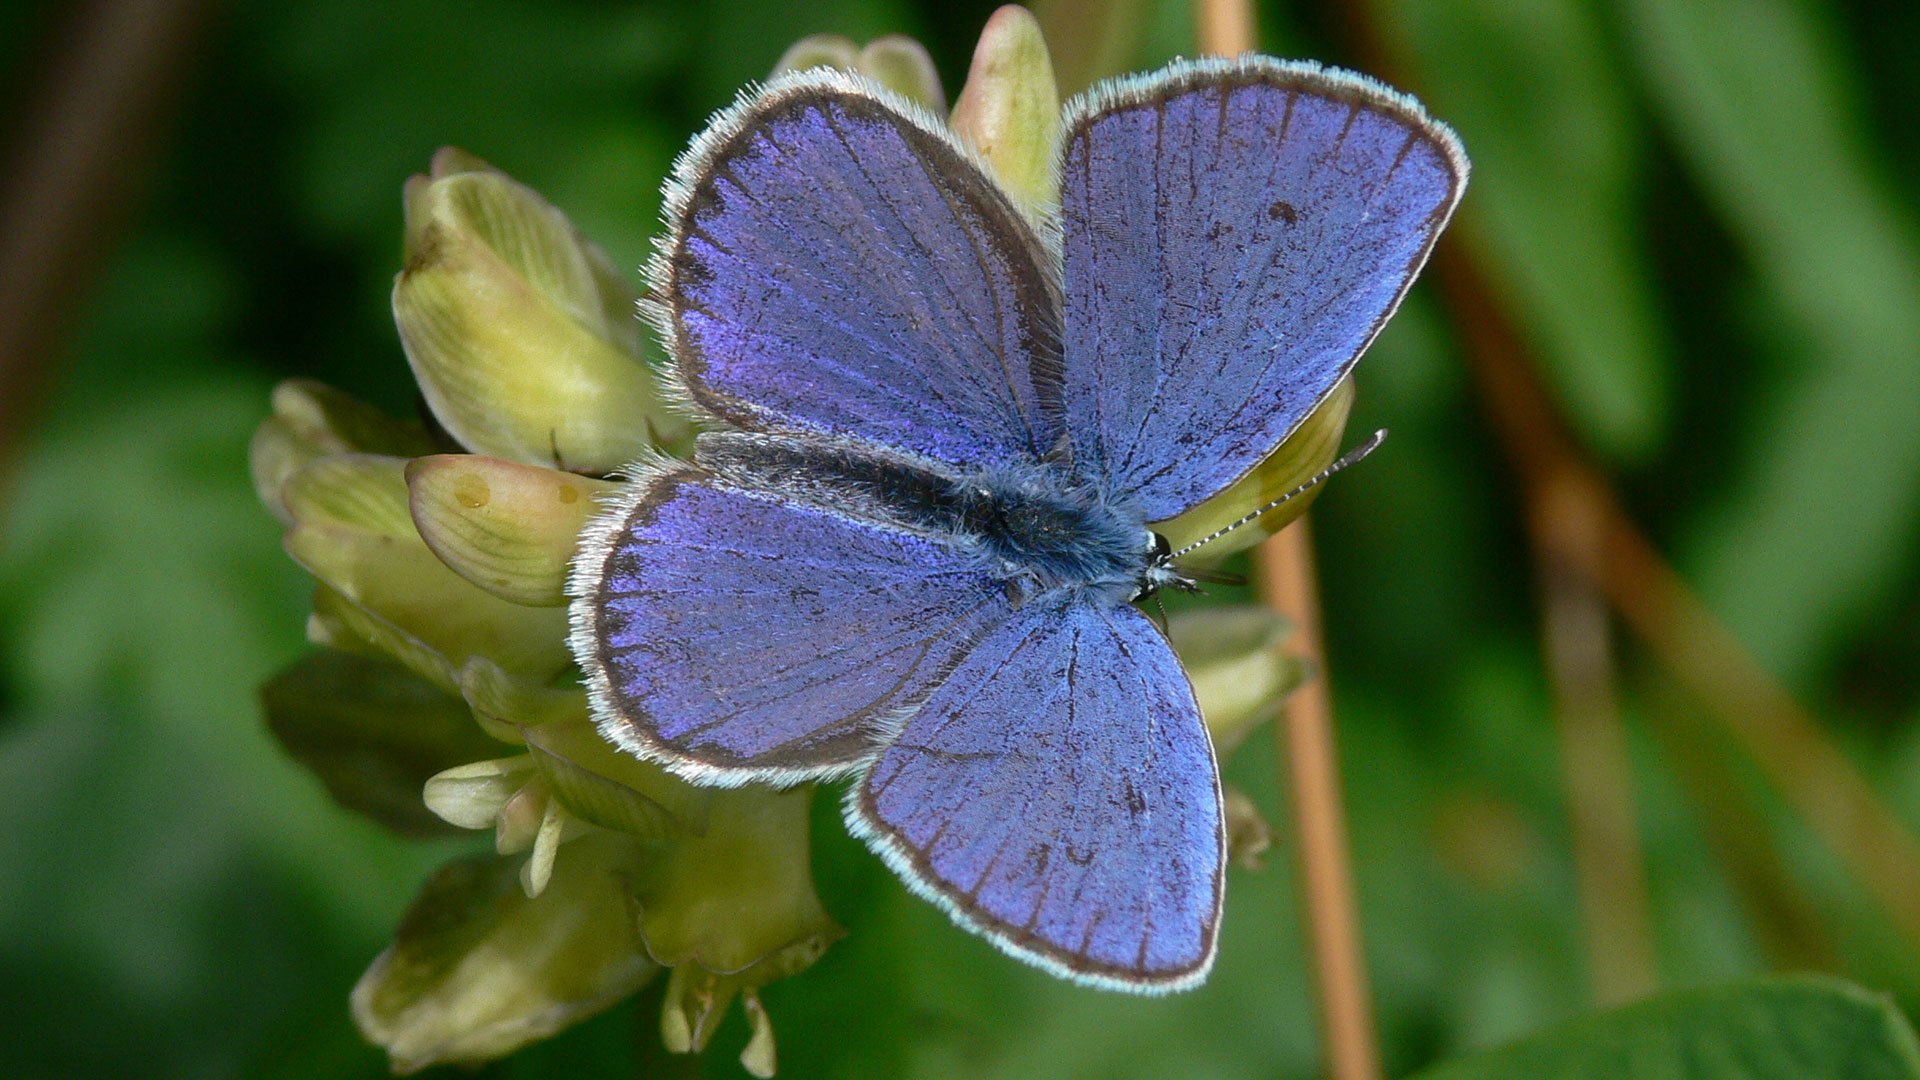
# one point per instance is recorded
(104, 93)
(1576, 641)
(1309, 764)
(1310, 771)
(1780, 735)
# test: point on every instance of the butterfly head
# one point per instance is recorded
(1159, 571)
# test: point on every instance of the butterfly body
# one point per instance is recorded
(910, 558)
(1034, 525)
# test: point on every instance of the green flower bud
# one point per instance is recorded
(373, 733)
(506, 527)
(510, 796)
(569, 781)
(592, 779)
(1240, 670)
(727, 902)
(504, 706)
(758, 1057)
(902, 65)
(472, 796)
(739, 897)
(478, 969)
(353, 530)
(731, 910)
(1248, 834)
(312, 419)
(1010, 108)
(819, 50)
(1311, 448)
(521, 334)
(340, 624)
(895, 61)
(602, 786)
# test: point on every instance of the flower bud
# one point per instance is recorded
(739, 897)
(474, 795)
(506, 527)
(569, 782)
(311, 419)
(731, 910)
(602, 786)
(1311, 448)
(509, 796)
(1240, 670)
(758, 1057)
(1248, 834)
(505, 706)
(1009, 109)
(895, 61)
(478, 969)
(352, 529)
(819, 50)
(522, 336)
(902, 65)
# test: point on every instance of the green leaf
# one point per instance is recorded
(1793, 1028)
(373, 732)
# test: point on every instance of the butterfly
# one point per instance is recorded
(908, 553)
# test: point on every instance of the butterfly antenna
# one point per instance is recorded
(1351, 457)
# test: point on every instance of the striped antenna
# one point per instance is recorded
(1350, 457)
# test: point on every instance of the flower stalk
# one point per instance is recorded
(1310, 768)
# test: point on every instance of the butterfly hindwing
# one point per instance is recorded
(1235, 233)
(1058, 794)
(837, 264)
(739, 635)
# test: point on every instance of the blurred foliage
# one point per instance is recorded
(1766, 1029)
(1700, 211)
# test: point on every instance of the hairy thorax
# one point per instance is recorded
(1040, 522)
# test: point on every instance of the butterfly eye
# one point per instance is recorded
(1162, 550)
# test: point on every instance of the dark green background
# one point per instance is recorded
(1699, 210)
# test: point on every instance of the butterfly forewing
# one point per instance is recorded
(837, 264)
(1235, 233)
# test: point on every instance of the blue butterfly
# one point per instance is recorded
(910, 555)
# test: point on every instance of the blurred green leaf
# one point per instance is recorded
(1772, 1029)
(1768, 119)
(373, 732)
(1541, 104)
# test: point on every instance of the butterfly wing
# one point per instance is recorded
(737, 635)
(1235, 233)
(1058, 794)
(837, 264)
